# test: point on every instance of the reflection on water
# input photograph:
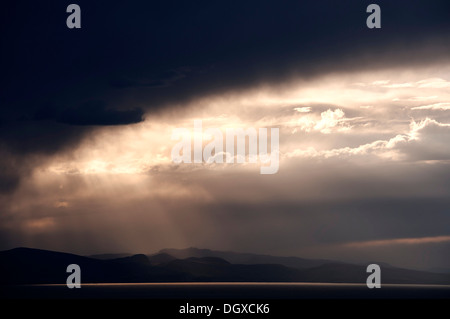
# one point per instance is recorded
(229, 290)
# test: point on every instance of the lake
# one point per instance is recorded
(226, 291)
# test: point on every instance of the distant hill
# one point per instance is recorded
(216, 269)
(349, 273)
(35, 266)
(108, 256)
(26, 265)
(160, 259)
(140, 259)
(247, 259)
(439, 270)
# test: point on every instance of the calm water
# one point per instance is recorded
(226, 290)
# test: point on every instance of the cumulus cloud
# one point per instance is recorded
(327, 122)
(426, 140)
(437, 106)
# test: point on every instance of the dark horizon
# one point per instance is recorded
(234, 257)
(195, 266)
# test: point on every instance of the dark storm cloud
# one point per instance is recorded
(26, 144)
(10, 172)
(98, 114)
(90, 113)
(139, 44)
(164, 79)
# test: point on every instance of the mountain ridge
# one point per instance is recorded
(246, 258)
(37, 266)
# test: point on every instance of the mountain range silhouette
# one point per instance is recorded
(36, 266)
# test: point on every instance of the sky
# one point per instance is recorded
(363, 116)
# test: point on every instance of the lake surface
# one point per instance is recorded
(191, 291)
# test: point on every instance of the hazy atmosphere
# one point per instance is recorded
(363, 114)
